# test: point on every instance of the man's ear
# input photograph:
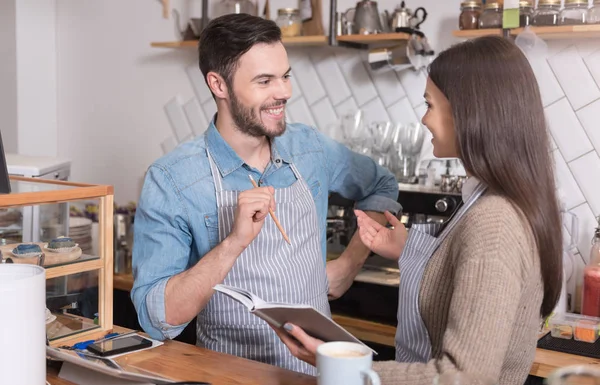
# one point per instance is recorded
(217, 85)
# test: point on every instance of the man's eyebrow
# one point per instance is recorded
(269, 76)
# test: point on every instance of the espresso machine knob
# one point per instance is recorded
(442, 205)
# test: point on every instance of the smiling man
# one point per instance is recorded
(200, 222)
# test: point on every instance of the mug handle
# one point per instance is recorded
(372, 376)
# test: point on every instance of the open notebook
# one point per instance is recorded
(313, 322)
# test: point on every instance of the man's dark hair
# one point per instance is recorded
(228, 37)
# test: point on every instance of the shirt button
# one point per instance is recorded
(277, 160)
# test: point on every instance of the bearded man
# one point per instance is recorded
(200, 221)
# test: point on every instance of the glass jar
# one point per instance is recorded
(491, 17)
(469, 15)
(525, 13)
(547, 13)
(575, 12)
(593, 14)
(288, 19)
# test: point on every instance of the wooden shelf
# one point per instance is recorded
(305, 40)
(376, 38)
(288, 41)
(546, 33)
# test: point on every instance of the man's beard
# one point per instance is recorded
(247, 122)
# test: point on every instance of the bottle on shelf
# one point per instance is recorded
(591, 278)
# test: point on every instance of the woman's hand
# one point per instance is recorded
(381, 240)
(300, 344)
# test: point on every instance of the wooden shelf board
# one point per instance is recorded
(304, 40)
(473, 33)
(547, 33)
(376, 38)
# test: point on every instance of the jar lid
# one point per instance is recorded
(494, 5)
(287, 11)
(473, 3)
(549, 2)
(573, 2)
(525, 3)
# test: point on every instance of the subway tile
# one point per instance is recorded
(593, 64)
(324, 114)
(168, 144)
(375, 111)
(299, 112)
(566, 130)
(198, 84)
(569, 191)
(589, 116)
(586, 47)
(549, 87)
(420, 110)
(195, 116)
(402, 112)
(587, 225)
(346, 107)
(307, 79)
(413, 83)
(574, 78)
(388, 86)
(210, 109)
(358, 79)
(331, 76)
(177, 119)
(296, 90)
(586, 171)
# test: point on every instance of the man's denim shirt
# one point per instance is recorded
(176, 219)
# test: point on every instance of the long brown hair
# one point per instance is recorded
(503, 140)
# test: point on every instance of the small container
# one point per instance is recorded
(491, 17)
(525, 13)
(547, 13)
(574, 13)
(469, 15)
(593, 14)
(288, 20)
(574, 326)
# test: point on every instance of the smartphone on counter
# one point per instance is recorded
(119, 345)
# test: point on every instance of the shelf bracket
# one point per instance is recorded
(165, 4)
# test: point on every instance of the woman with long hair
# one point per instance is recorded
(474, 290)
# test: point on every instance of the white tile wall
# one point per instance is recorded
(329, 82)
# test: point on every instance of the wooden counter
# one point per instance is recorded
(184, 362)
(545, 361)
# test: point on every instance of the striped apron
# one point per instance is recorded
(412, 339)
(271, 269)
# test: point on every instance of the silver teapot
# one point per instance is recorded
(404, 18)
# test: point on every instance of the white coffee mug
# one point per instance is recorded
(345, 363)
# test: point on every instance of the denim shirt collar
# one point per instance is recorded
(227, 160)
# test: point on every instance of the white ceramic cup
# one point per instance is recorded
(345, 363)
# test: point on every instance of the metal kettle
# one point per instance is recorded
(404, 18)
(366, 17)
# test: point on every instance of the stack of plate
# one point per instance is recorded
(80, 230)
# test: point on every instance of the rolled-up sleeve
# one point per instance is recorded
(359, 178)
(161, 250)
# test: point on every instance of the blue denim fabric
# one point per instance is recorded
(176, 219)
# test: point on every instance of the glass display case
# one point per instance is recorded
(77, 254)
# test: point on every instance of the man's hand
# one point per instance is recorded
(252, 208)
